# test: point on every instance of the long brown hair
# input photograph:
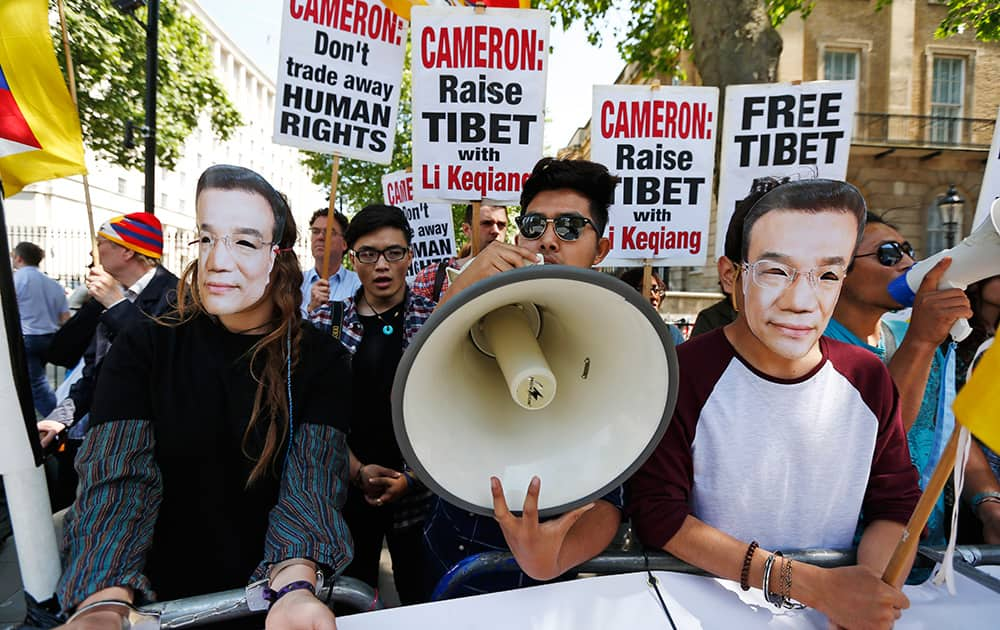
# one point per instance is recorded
(268, 357)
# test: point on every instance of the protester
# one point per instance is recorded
(341, 282)
(41, 303)
(432, 281)
(657, 289)
(780, 435)
(573, 196)
(385, 503)
(910, 349)
(216, 434)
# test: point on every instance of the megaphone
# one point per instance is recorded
(975, 258)
(550, 370)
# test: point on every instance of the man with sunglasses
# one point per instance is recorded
(564, 210)
(912, 351)
(781, 438)
(385, 502)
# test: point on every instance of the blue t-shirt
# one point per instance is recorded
(40, 300)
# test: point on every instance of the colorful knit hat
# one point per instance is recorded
(140, 231)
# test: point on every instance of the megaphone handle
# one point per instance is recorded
(961, 330)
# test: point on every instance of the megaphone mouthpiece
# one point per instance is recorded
(512, 338)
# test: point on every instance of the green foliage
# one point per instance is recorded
(983, 16)
(360, 182)
(657, 30)
(109, 56)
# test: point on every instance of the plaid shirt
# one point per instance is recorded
(423, 282)
(412, 509)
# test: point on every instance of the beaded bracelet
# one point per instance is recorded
(747, 560)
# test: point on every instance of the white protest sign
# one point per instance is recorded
(433, 229)
(990, 189)
(478, 100)
(339, 71)
(781, 129)
(661, 143)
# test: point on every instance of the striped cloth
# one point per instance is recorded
(141, 232)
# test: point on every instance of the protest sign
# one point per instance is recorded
(433, 228)
(339, 72)
(990, 189)
(661, 142)
(478, 100)
(782, 129)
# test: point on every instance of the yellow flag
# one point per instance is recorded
(402, 7)
(39, 128)
(977, 406)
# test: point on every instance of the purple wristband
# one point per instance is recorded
(271, 596)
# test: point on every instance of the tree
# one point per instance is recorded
(360, 182)
(108, 51)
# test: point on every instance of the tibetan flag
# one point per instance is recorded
(402, 7)
(977, 406)
(39, 128)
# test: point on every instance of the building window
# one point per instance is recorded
(947, 91)
(122, 185)
(163, 199)
(840, 65)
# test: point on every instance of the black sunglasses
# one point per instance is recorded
(567, 226)
(889, 254)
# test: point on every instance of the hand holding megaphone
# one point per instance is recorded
(975, 258)
(936, 311)
(493, 259)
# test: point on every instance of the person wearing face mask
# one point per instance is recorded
(781, 437)
(217, 449)
(386, 502)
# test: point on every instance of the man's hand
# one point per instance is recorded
(495, 258)
(856, 598)
(989, 514)
(319, 294)
(536, 546)
(300, 610)
(48, 429)
(935, 310)
(372, 479)
(392, 489)
(103, 287)
(97, 620)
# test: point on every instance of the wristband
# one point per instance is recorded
(272, 596)
(983, 497)
(410, 481)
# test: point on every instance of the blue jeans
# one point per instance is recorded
(35, 347)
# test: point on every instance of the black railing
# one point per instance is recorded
(936, 132)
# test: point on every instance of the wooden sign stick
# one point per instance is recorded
(474, 227)
(895, 572)
(334, 176)
(647, 279)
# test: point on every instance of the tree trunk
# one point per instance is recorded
(734, 42)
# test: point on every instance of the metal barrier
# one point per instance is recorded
(495, 562)
(206, 609)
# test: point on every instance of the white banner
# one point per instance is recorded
(478, 100)
(339, 73)
(433, 229)
(990, 189)
(661, 143)
(781, 129)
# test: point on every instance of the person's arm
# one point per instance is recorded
(934, 313)
(979, 478)
(546, 550)
(849, 596)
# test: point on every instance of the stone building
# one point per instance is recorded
(926, 112)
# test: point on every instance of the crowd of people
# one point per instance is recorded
(256, 396)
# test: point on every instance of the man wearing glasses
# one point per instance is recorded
(564, 210)
(342, 282)
(912, 350)
(782, 438)
(376, 324)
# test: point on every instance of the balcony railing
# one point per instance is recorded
(933, 132)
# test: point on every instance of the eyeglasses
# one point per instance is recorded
(889, 254)
(658, 291)
(567, 226)
(315, 231)
(370, 255)
(775, 276)
(242, 246)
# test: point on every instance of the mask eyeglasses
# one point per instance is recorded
(370, 255)
(568, 227)
(241, 245)
(775, 276)
(889, 254)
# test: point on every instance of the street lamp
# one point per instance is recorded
(152, 27)
(950, 206)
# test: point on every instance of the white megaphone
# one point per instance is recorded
(975, 258)
(555, 371)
